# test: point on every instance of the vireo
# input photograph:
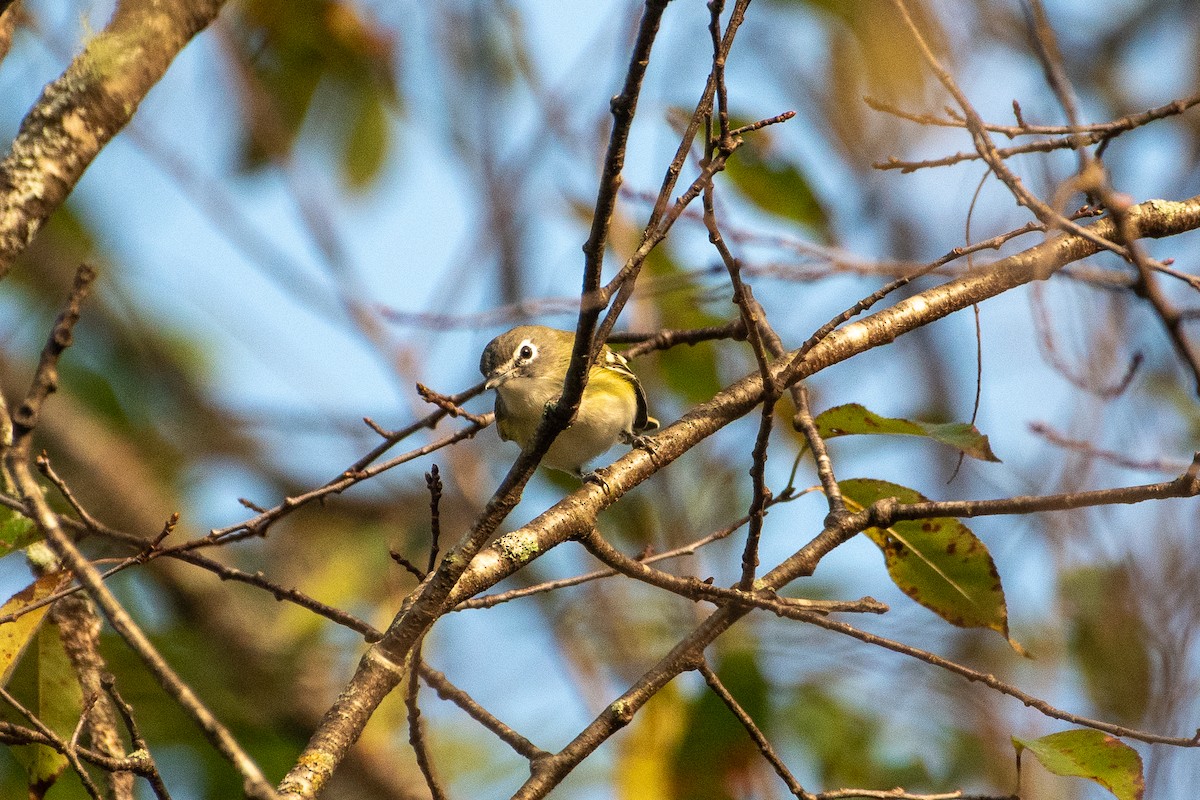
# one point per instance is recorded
(527, 367)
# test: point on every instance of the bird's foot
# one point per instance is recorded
(596, 478)
(641, 441)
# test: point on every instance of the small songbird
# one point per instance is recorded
(527, 367)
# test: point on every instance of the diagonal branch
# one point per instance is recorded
(575, 515)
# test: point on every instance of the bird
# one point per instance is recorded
(527, 366)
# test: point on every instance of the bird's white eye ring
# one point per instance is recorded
(526, 351)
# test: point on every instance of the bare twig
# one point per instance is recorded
(434, 483)
(697, 590)
(416, 730)
(68, 749)
(448, 691)
(139, 744)
(1120, 459)
(804, 422)
(666, 339)
(753, 320)
(257, 525)
(13, 734)
(992, 682)
(987, 149)
(447, 404)
(760, 740)
(1102, 130)
(1148, 283)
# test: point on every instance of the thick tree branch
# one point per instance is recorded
(575, 515)
(80, 112)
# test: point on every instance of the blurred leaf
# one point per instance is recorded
(644, 757)
(16, 532)
(716, 752)
(1089, 754)
(16, 635)
(938, 562)
(871, 52)
(59, 705)
(776, 186)
(691, 372)
(1108, 639)
(367, 142)
(847, 743)
(853, 418)
(295, 47)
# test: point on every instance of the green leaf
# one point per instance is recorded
(15, 636)
(938, 562)
(854, 418)
(775, 186)
(59, 706)
(16, 532)
(1089, 754)
(298, 47)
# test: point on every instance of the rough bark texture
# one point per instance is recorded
(86, 107)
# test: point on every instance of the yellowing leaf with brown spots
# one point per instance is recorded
(1089, 754)
(938, 562)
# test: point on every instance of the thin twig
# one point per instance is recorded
(151, 775)
(666, 339)
(1088, 448)
(448, 405)
(222, 571)
(416, 731)
(448, 691)
(804, 422)
(1103, 130)
(68, 749)
(1148, 283)
(13, 734)
(698, 590)
(258, 525)
(992, 682)
(756, 734)
(433, 481)
(753, 319)
(987, 149)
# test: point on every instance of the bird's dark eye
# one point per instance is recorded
(525, 353)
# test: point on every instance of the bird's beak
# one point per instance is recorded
(498, 377)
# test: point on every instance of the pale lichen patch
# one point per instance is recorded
(75, 125)
(485, 561)
(520, 546)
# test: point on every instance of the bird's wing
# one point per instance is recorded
(616, 362)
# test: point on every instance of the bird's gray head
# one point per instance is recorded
(511, 355)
